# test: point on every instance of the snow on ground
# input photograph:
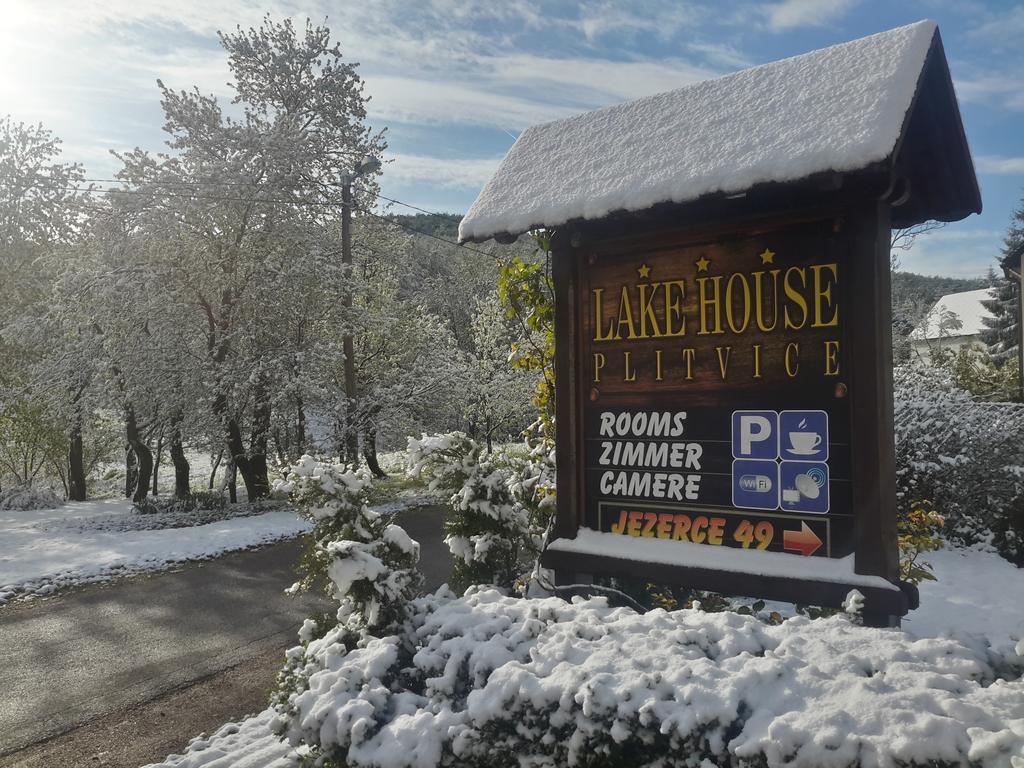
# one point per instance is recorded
(977, 599)
(976, 592)
(45, 550)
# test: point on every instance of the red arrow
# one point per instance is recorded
(805, 541)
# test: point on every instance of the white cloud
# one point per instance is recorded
(956, 250)
(1000, 30)
(444, 172)
(791, 14)
(997, 164)
(992, 88)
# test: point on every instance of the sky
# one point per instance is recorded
(454, 82)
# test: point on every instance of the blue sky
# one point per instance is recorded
(455, 82)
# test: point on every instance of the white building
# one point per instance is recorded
(954, 322)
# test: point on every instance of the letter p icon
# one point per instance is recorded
(755, 434)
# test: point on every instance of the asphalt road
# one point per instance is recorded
(105, 649)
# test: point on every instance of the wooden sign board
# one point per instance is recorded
(729, 389)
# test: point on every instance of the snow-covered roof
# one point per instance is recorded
(839, 109)
(966, 306)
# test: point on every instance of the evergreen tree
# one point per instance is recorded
(1000, 334)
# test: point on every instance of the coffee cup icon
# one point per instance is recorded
(804, 443)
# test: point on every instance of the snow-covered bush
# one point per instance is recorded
(500, 504)
(363, 561)
(26, 498)
(965, 456)
(490, 680)
(366, 563)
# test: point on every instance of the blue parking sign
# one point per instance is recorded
(755, 483)
(803, 435)
(755, 434)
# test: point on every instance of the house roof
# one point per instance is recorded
(883, 102)
(967, 308)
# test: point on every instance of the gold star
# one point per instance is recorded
(767, 256)
(644, 271)
(702, 264)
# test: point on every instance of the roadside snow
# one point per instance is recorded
(45, 550)
(247, 744)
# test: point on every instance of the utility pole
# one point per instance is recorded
(367, 165)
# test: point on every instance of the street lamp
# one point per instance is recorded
(368, 164)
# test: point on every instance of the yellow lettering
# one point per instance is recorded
(673, 308)
(688, 353)
(625, 316)
(714, 302)
(629, 374)
(729, 303)
(597, 318)
(792, 365)
(831, 358)
(723, 362)
(825, 294)
(759, 301)
(795, 296)
(598, 365)
(657, 364)
(757, 361)
(647, 311)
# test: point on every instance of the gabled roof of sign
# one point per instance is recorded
(883, 102)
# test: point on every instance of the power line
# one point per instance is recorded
(194, 184)
(325, 203)
(427, 234)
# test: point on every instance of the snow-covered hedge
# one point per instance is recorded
(22, 498)
(490, 680)
(964, 456)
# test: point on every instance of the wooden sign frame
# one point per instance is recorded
(862, 215)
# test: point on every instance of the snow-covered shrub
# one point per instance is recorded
(26, 498)
(965, 456)
(366, 563)
(492, 681)
(500, 504)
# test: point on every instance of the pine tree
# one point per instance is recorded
(1000, 334)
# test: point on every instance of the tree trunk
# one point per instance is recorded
(300, 429)
(156, 464)
(370, 452)
(231, 478)
(143, 456)
(216, 464)
(182, 487)
(131, 472)
(76, 461)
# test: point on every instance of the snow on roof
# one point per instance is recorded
(966, 306)
(835, 109)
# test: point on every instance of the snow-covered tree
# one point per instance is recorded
(499, 394)
(238, 225)
(1000, 334)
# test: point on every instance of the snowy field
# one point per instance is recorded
(977, 601)
(83, 542)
